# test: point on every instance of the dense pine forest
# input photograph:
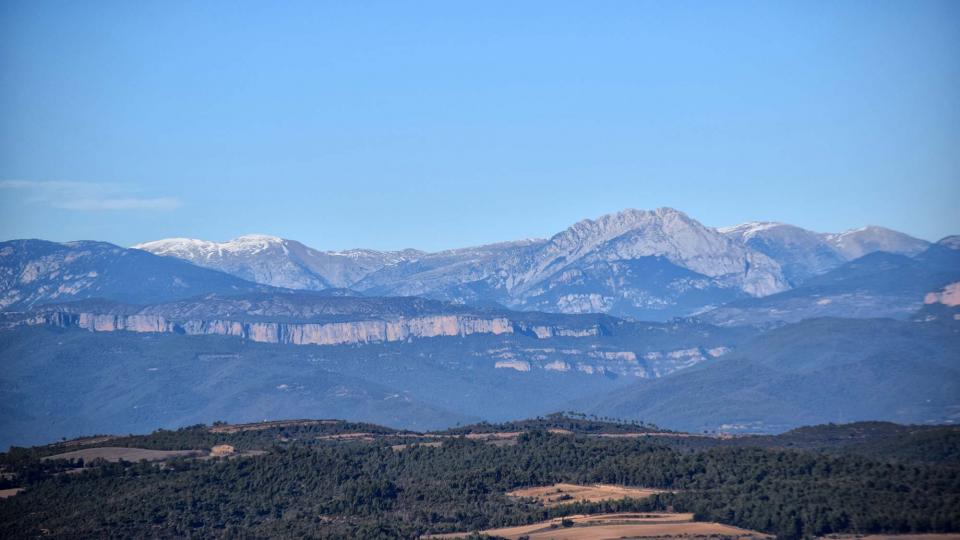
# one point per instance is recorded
(345, 480)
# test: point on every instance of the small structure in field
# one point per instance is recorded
(221, 450)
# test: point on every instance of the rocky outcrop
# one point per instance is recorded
(948, 296)
(547, 332)
(335, 333)
(332, 333)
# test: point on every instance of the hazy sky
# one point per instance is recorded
(432, 125)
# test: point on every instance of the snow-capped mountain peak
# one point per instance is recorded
(279, 262)
(952, 242)
(856, 243)
(748, 230)
(193, 249)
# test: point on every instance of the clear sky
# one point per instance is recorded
(433, 125)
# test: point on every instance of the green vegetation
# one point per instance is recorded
(311, 486)
(569, 421)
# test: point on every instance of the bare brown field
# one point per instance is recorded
(257, 426)
(116, 453)
(939, 536)
(559, 494)
(4, 493)
(616, 526)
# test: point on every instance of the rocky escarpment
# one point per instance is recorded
(329, 333)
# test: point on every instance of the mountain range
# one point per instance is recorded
(647, 315)
(649, 265)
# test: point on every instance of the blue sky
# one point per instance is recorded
(435, 125)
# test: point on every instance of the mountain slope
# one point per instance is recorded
(803, 254)
(859, 242)
(800, 253)
(35, 272)
(880, 284)
(59, 383)
(816, 371)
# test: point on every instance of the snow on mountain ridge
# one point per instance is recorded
(952, 242)
(858, 242)
(192, 248)
(277, 261)
(803, 253)
(750, 229)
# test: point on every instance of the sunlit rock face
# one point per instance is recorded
(336, 333)
(948, 296)
(668, 233)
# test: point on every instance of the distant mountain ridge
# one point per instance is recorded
(279, 262)
(880, 284)
(803, 254)
(650, 265)
(36, 272)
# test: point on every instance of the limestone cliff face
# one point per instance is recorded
(546, 332)
(334, 333)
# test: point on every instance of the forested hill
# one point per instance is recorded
(572, 422)
(335, 479)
